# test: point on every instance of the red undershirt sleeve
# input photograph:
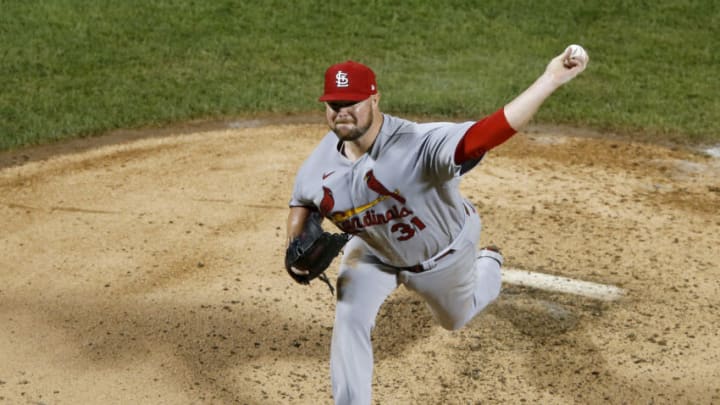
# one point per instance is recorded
(484, 135)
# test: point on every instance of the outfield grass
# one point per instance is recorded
(75, 68)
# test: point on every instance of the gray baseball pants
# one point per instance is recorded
(456, 288)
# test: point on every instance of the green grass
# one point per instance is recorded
(76, 68)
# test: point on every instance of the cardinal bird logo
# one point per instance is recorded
(375, 185)
(328, 202)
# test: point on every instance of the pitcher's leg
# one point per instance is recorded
(457, 290)
(488, 280)
(362, 288)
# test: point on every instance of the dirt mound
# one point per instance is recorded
(150, 271)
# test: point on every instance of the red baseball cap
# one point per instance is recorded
(349, 81)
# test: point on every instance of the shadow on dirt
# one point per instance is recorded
(565, 358)
(203, 345)
(402, 320)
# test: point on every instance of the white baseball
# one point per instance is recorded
(578, 52)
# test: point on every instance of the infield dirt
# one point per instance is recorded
(148, 270)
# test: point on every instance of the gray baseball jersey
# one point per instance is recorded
(401, 197)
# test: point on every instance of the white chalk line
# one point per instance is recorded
(548, 282)
(714, 151)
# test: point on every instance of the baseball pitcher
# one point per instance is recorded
(391, 186)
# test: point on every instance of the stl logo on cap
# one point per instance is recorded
(348, 81)
(341, 79)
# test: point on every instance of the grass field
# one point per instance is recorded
(77, 68)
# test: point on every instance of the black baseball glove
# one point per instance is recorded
(312, 251)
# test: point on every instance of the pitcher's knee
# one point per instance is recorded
(464, 314)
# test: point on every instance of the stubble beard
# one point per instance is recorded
(356, 133)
